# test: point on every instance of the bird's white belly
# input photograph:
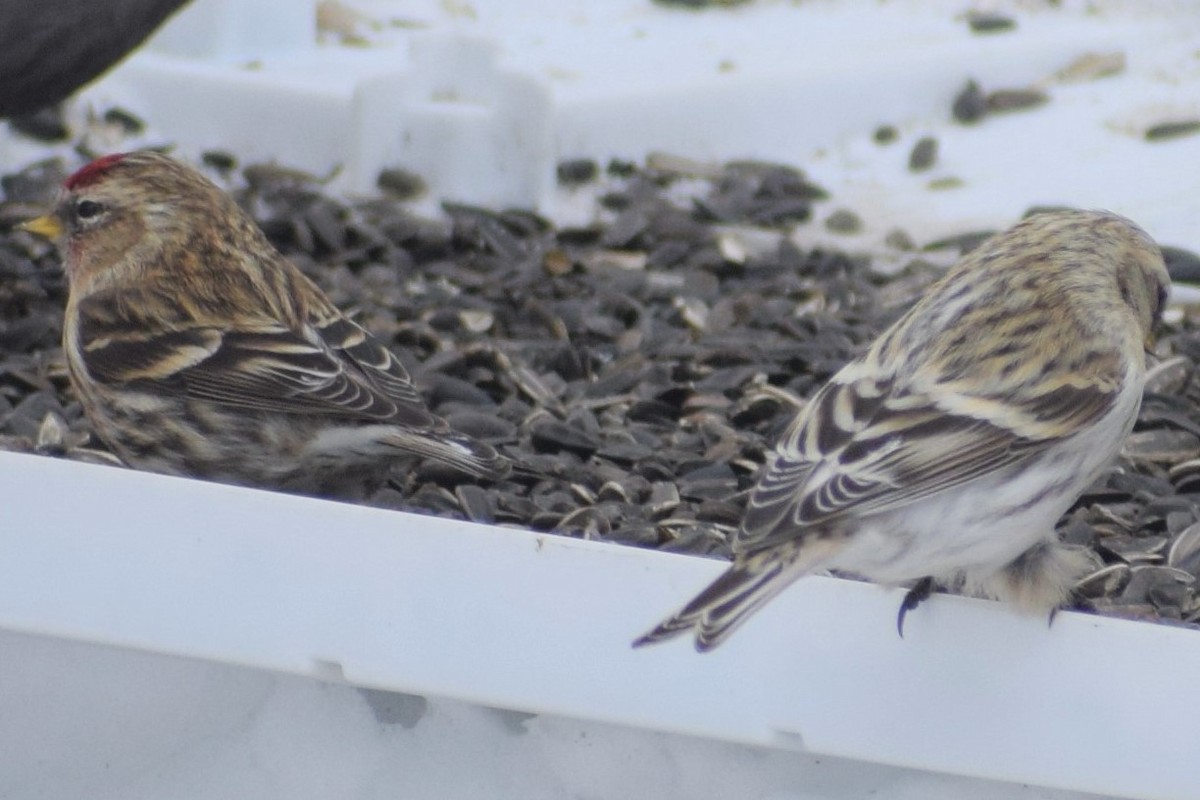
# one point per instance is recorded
(951, 532)
(983, 525)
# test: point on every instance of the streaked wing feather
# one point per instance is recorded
(134, 357)
(377, 362)
(885, 455)
(279, 371)
(269, 368)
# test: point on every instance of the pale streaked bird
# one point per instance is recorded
(948, 451)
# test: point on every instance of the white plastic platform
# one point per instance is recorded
(465, 614)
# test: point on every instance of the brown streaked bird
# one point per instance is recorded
(948, 451)
(197, 349)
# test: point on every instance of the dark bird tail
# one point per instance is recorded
(461, 452)
(741, 590)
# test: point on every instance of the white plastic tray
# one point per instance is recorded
(542, 624)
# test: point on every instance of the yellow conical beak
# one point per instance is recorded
(47, 226)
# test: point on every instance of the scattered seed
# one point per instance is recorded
(1162, 445)
(947, 182)
(400, 183)
(1172, 130)
(1091, 66)
(963, 242)
(1003, 100)
(989, 22)
(886, 134)
(130, 123)
(843, 221)
(577, 171)
(475, 502)
(924, 154)
(899, 240)
(219, 160)
(970, 104)
(1183, 265)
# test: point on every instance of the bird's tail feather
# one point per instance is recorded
(475, 458)
(741, 590)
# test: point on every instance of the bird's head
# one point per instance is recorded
(128, 213)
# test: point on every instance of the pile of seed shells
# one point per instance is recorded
(636, 369)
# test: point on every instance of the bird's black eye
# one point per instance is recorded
(88, 209)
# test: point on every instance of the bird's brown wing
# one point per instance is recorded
(377, 364)
(863, 447)
(263, 366)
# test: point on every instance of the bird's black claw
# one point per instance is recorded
(918, 594)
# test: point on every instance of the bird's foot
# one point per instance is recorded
(919, 593)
